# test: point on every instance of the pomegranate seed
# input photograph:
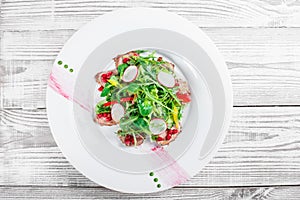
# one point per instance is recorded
(128, 137)
(104, 80)
(168, 137)
(174, 131)
(105, 77)
(125, 60)
(159, 59)
(135, 54)
(159, 139)
(100, 88)
(108, 74)
(128, 140)
(99, 115)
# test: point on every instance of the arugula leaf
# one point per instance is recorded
(153, 91)
(133, 87)
(126, 122)
(102, 109)
(152, 55)
(140, 51)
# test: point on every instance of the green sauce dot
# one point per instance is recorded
(151, 174)
(66, 66)
(155, 179)
(158, 185)
(59, 62)
(71, 70)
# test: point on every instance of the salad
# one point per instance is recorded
(143, 96)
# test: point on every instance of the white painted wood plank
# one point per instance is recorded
(63, 193)
(262, 148)
(264, 65)
(72, 14)
(238, 45)
(24, 83)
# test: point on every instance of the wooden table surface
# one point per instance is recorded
(260, 40)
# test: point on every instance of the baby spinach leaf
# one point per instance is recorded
(141, 124)
(105, 90)
(121, 68)
(145, 106)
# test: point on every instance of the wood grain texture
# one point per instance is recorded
(72, 14)
(63, 193)
(238, 45)
(263, 62)
(262, 148)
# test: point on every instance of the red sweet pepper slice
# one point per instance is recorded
(122, 100)
(109, 103)
(126, 99)
(183, 97)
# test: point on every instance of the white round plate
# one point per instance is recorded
(95, 151)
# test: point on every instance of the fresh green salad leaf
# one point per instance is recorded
(102, 109)
(142, 125)
(145, 106)
(106, 90)
(140, 51)
(121, 69)
(132, 88)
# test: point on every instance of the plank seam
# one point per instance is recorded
(177, 187)
(203, 27)
(237, 106)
